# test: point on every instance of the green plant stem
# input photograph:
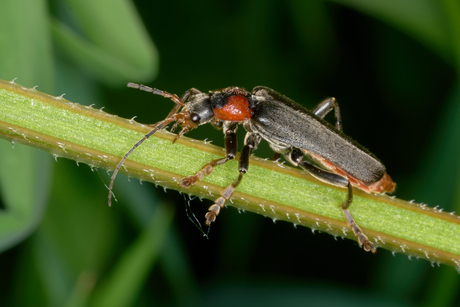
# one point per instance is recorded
(272, 189)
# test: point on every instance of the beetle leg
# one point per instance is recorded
(231, 148)
(325, 107)
(250, 144)
(362, 238)
(295, 157)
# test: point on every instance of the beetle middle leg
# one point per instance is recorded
(251, 141)
(295, 157)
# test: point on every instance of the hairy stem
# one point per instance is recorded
(272, 189)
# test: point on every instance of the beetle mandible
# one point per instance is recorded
(289, 128)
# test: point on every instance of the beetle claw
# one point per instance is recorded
(214, 211)
(367, 245)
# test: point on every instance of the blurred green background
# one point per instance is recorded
(392, 65)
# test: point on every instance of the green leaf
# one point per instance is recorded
(24, 187)
(109, 40)
(125, 282)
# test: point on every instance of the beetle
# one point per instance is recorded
(290, 130)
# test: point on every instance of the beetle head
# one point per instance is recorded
(196, 111)
(199, 108)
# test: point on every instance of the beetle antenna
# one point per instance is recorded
(158, 126)
(172, 116)
(155, 91)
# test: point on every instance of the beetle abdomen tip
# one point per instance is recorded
(386, 184)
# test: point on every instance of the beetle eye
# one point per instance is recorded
(195, 118)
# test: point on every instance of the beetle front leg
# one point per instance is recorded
(231, 148)
(295, 157)
(251, 141)
(325, 107)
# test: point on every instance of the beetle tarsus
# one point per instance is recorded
(189, 181)
(214, 210)
(368, 245)
(206, 170)
(363, 241)
(362, 238)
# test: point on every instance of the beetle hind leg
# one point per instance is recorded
(363, 240)
(295, 157)
(325, 107)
